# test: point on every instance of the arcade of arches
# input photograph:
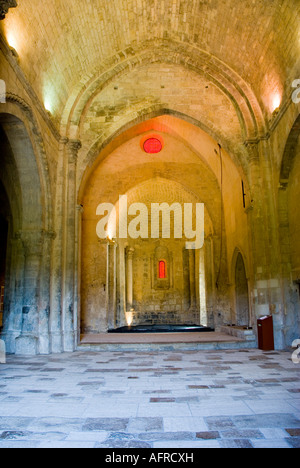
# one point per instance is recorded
(178, 102)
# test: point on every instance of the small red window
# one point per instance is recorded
(162, 271)
(153, 146)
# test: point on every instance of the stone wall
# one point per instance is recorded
(83, 87)
(293, 207)
(166, 318)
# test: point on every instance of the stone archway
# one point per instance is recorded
(25, 320)
(289, 230)
(161, 281)
(164, 178)
(4, 230)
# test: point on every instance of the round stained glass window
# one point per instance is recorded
(153, 146)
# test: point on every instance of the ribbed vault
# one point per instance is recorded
(63, 47)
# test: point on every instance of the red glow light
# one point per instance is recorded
(152, 146)
(162, 270)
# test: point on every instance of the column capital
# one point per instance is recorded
(63, 140)
(73, 146)
(130, 252)
(253, 151)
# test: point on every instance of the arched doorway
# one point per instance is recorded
(241, 293)
(289, 231)
(4, 226)
(186, 163)
(22, 230)
(158, 277)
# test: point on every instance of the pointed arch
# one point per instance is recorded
(240, 280)
(25, 178)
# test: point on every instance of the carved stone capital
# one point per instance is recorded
(130, 252)
(73, 146)
(5, 5)
(253, 151)
(63, 140)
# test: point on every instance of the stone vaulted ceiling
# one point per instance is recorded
(62, 45)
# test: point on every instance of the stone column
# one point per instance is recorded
(45, 280)
(115, 285)
(129, 278)
(27, 342)
(202, 288)
(56, 286)
(210, 279)
(107, 290)
(69, 286)
(110, 272)
(77, 295)
(122, 285)
(289, 278)
(258, 228)
(265, 241)
(13, 304)
(192, 279)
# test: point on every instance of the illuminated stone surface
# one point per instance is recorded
(84, 87)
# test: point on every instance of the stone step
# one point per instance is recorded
(239, 332)
(164, 342)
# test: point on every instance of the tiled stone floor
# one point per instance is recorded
(238, 399)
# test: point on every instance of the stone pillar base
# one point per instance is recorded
(69, 342)
(27, 345)
(56, 343)
(10, 341)
(2, 352)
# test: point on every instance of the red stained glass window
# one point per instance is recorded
(152, 146)
(162, 271)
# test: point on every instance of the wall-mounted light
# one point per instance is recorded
(47, 104)
(13, 31)
(12, 40)
(276, 102)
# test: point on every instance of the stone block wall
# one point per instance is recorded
(108, 75)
